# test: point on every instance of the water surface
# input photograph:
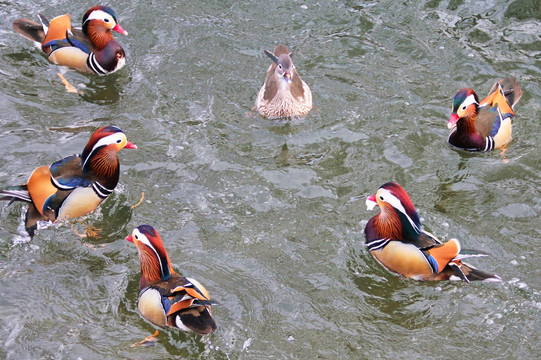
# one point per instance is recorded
(270, 216)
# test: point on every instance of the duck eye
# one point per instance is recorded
(118, 141)
(464, 108)
(381, 197)
(280, 66)
(106, 20)
(136, 237)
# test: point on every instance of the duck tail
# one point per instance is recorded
(15, 193)
(20, 193)
(197, 319)
(511, 90)
(30, 30)
(467, 272)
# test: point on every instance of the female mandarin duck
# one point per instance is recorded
(75, 185)
(396, 239)
(284, 94)
(484, 125)
(91, 49)
(165, 297)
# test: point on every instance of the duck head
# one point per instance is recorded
(397, 218)
(105, 141)
(155, 263)
(101, 16)
(284, 65)
(465, 105)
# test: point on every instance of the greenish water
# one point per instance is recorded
(270, 217)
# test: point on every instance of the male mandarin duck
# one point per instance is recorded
(484, 125)
(165, 297)
(73, 186)
(396, 239)
(91, 49)
(284, 94)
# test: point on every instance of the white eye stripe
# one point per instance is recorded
(469, 100)
(99, 15)
(142, 238)
(397, 204)
(387, 196)
(110, 139)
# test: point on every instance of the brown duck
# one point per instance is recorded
(284, 94)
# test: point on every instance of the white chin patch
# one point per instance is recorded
(370, 205)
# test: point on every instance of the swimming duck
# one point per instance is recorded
(165, 297)
(484, 125)
(91, 49)
(73, 186)
(284, 94)
(396, 239)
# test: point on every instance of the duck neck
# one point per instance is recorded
(390, 225)
(466, 125)
(104, 167)
(153, 269)
(466, 134)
